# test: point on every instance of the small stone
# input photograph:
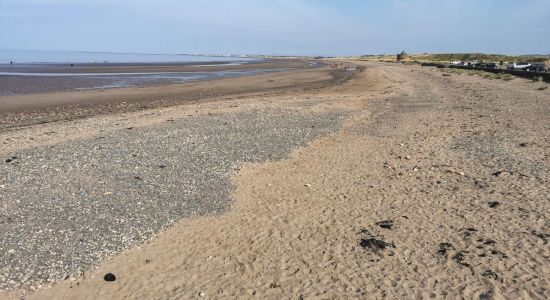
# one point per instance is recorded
(202, 294)
(109, 277)
(493, 204)
(11, 159)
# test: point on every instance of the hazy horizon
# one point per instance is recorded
(278, 27)
(260, 54)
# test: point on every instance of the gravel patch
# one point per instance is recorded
(64, 208)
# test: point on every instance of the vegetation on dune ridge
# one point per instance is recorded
(481, 73)
(448, 57)
(479, 57)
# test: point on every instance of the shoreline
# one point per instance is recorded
(28, 109)
(46, 78)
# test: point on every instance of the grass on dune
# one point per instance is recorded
(506, 77)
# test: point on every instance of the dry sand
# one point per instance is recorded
(436, 187)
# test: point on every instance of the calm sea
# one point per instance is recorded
(38, 56)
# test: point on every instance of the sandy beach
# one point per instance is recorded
(27, 109)
(393, 181)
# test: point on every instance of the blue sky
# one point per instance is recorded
(301, 27)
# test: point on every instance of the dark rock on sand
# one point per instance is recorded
(109, 277)
(493, 204)
(9, 160)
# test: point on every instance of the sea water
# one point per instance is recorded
(67, 57)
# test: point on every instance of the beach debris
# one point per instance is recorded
(489, 242)
(148, 261)
(307, 185)
(138, 178)
(129, 128)
(162, 166)
(445, 74)
(490, 274)
(499, 253)
(468, 232)
(493, 204)
(501, 173)
(372, 243)
(480, 184)
(107, 193)
(386, 224)
(444, 248)
(543, 236)
(523, 144)
(109, 277)
(459, 259)
(202, 294)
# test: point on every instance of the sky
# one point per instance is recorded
(278, 27)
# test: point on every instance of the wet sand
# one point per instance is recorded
(24, 110)
(39, 78)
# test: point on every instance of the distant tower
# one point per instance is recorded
(402, 56)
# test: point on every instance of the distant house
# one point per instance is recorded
(402, 56)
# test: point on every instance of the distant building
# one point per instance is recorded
(402, 56)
